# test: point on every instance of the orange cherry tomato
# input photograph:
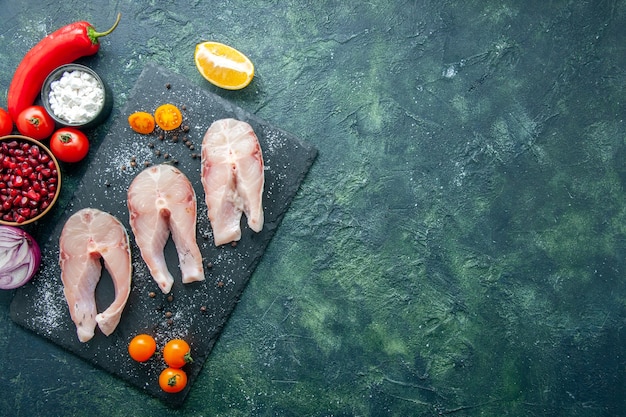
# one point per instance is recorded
(177, 353)
(141, 122)
(172, 380)
(168, 117)
(142, 347)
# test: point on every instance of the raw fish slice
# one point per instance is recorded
(233, 178)
(88, 235)
(161, 200)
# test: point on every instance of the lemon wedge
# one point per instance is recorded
(223, 65)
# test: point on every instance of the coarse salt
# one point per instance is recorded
(76, 97)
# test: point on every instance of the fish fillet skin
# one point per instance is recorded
(233, 177)
(88, 236)
(162, 201)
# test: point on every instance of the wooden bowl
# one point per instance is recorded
(30, 180)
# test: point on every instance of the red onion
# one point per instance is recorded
(20, 257)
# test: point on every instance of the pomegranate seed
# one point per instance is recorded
(32, 194)
(27, 170)
(24, 211)
(18, 181)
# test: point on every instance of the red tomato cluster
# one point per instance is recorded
(67, 144)
(176, 354)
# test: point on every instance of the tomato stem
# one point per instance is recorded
(172, 381)
(65, 137)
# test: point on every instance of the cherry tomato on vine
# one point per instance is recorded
(172, 380)
(6, 123)
(177, 353)
(69, 144)
(35, 122)
(142, 347)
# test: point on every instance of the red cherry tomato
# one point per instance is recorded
(6, 123)
(35, 122)
(69, 144)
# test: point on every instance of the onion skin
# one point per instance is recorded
(20, 257)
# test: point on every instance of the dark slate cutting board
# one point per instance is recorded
(196, 312)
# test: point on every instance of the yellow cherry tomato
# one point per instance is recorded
(141, 122)
(168, 117)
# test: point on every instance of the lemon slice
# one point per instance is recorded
(223, 65)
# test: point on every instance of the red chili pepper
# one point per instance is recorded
(61, 47)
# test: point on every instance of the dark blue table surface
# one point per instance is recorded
(458, 246)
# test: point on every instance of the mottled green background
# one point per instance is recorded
(457, 248)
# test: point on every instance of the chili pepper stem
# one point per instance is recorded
(93, 35)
